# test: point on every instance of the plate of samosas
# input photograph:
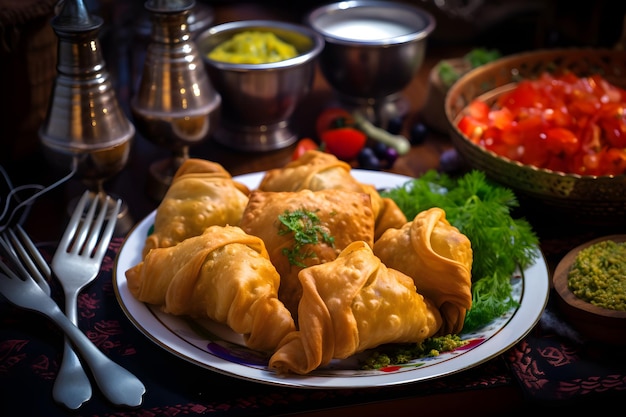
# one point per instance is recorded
(305, 276)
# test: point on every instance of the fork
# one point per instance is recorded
(75, 264)
(73, 388)
(116, 383)
(20, 249)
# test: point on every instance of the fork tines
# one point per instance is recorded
(19, 249)
(83, 232)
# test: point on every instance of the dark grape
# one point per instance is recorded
(391, 155)
(395, 125)
(450, 161)
(380, 149)
(367, 159)
(418, 134)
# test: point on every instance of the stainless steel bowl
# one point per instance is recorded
(373, 49)
(259, 99)
(583, 198)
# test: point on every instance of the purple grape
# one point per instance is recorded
(367, 159)
(419, 131)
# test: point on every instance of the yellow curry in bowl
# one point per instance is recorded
(253, 47)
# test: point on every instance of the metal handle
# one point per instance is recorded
(116, 383)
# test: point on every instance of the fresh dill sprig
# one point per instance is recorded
(306, 229)
(481, 210)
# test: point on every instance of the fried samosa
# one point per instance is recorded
(352, 304)
(223, 274)
(439, 259)
(306, 228)
(316, 170)
(202, 194)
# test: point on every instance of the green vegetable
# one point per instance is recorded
(476, 57)
(481, 56)
(598, 275)
(481, 210)
(398, 354)
(398, 142)
(306, 229)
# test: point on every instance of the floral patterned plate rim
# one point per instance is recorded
(217, 348)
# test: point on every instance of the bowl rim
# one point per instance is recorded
(264, 24)
(454, 92)
(341, 6)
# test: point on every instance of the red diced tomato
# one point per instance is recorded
(565, 123)
(615, 161)
(472, 128)
(561, 141)
(479, 110)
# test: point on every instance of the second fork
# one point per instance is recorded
(72, 385)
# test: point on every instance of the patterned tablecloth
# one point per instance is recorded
(551, 366)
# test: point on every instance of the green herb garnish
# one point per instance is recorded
(448, 74)
(398, 354)
(306, 229)
(481, 210)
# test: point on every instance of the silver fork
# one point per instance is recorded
(24, 255)
(73, 388)
(76, 263)
(21, 251)
(116, 383)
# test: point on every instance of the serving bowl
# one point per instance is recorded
(259, 99)
(592, 321)
(433, 111)
(372, 51)
(586, 199)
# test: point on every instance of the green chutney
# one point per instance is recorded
(598, 275)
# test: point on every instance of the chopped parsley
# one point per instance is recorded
(307, 230)
(398, 354)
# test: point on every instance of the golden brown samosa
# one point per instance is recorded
(352, 304)
(202, 194)
(316, 170)
(223, 274)
(306, 228)
(439, 259)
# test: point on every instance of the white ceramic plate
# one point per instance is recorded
(217, 348)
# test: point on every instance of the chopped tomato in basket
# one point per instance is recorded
(563, 123)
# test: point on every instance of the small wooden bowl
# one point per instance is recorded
(594, 322)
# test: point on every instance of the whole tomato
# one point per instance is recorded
(332, 118)
(303, 146)
(345, 143)
(336, 131)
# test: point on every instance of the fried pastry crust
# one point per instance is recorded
(202, 194)
(316, 170)
(223, 274)
(344, 216)
(352, 304)
(439, 259)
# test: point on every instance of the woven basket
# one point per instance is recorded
(586, 199)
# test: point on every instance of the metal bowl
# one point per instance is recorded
(373, 49)
(584, 198)
(259, 99)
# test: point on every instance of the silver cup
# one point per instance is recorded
(259, 99)
(373, 49)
